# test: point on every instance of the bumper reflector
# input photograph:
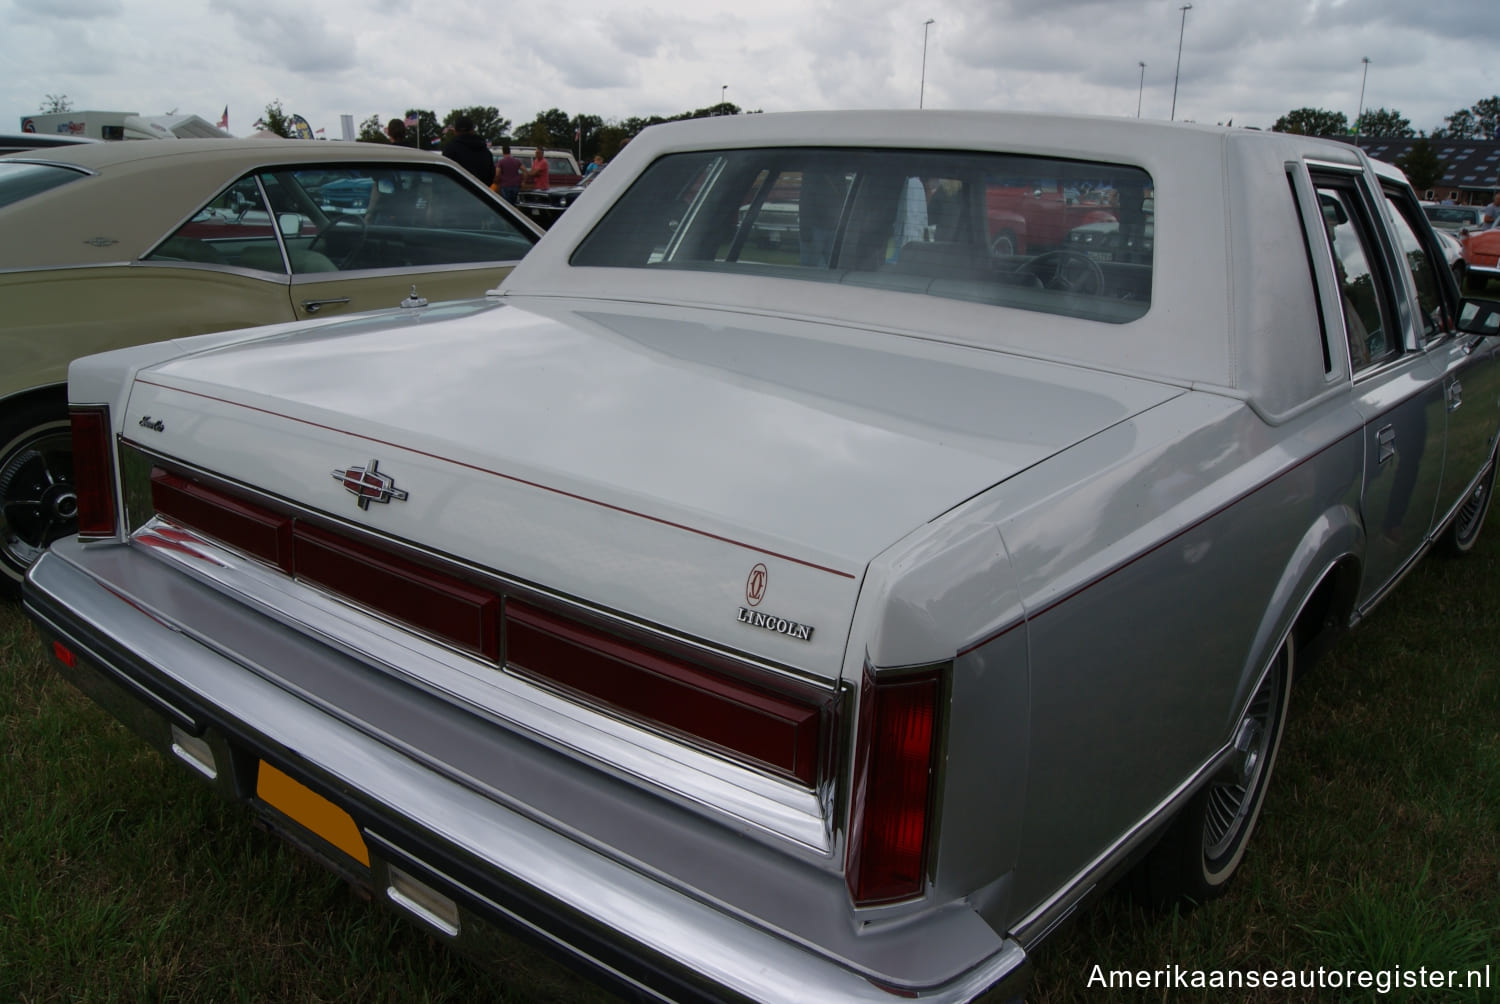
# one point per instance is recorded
(194, 752)
(423, 901)
(305, 806)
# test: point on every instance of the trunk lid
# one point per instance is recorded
(725, 475)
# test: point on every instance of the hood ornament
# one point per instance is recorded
(414, 300)
(368, 485)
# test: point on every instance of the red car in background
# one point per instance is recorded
(1027, 214)
(1481, 256)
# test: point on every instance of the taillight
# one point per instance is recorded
(93, 471)
(894, 765)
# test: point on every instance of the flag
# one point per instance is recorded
(411, 121)
(318, 131)
(577, 133)
(224, 119)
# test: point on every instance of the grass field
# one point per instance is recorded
(122, 878)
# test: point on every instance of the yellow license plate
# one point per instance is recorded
(305, 806)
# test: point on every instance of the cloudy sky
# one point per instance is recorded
(1245, 61)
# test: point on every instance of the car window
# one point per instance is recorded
(1035, 233)
(21, 181)
(1427, 268)
(348, 218)
(1367, 326)
(236, 228)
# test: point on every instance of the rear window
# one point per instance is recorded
(1064, 237)
(21, 181)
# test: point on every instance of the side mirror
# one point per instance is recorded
(290, 224)
(1479, 317)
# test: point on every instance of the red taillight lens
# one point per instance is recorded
(893, 787)
(781, 731)
(93, 472)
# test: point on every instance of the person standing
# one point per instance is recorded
(508, 172)
(469, 151)
(595, 165)
(539, 174)
(395, 130)
(1491, 214)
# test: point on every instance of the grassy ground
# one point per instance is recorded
(123, 879)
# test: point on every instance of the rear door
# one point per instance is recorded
(1398, 387)
(1471, 372)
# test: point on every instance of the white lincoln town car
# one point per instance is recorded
(813, 619)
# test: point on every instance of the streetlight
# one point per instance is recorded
(722, 91)
(921, 94)
(1180, 29)
(1361, 114)
(1139, 89)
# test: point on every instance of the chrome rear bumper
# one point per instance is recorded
(204, 678)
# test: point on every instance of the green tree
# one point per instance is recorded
(372, 130)
(427, 133)
(1460, 125)
(276, 120)
(1487, 112)
(552, 127)
(1312, 122)
(1421, 165)
(1381, 122)
(54, 103)
(488, 122)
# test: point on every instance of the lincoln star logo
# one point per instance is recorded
(755, 586)
(368, 485)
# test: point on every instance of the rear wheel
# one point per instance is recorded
(1204, 845)
(37, 500)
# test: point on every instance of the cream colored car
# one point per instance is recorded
(113, 244)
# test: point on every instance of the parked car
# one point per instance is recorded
(562, 167)
(112, 244)
(544, 206)
(1481, 254)
(824, 626)
(1454, 218)
(32, 141)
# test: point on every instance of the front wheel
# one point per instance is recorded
(38, 503)
(1463, 532)
(1204, 845)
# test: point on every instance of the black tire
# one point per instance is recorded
(1463, 532)
(1202, 848)
(1005, 244)
(37, 500)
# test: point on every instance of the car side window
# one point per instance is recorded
(236, 228)
(1427, 266)
(1369, 326)
(344, 218)
(377, 217)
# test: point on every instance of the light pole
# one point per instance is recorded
(1139, 89)
(922, 93)
(1180, 29)
(1361, 113)
(722, 91)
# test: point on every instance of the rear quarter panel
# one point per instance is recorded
(56, 315)
(1157, 566)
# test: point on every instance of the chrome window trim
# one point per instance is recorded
(767, 805)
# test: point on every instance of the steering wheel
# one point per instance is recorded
(1069, 271)
(357, 242)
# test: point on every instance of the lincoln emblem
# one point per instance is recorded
(368, 485)
(755, 586)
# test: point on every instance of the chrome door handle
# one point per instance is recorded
(313, 306)
(1385, 441)
(1455, 395)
